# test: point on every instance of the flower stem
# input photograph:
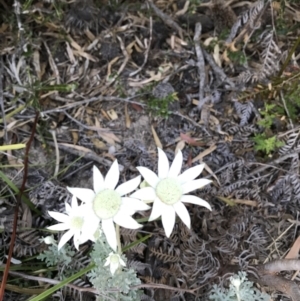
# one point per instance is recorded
(118, 239)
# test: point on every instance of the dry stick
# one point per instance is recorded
(2, 100)
(56, 153)
(52, 281)
(167, 287)
(125, 53)
(122, 67)
(289, 57)
(267, 276)
(201, 126)
(217, 70)
(16, 213)
(87, 155)
(52, 64)
(286, 109)
(92, 290)
(200, 64)
(147, 50)
(279, 160)
(279, 283)
(265, 166)
(87, 101)
(166, 19)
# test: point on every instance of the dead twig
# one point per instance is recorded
(166, 19)
(217, 70)
(16, 213)
(267, 276)
(147, 50)
(200, 64)
(2, 100)
(89, 155)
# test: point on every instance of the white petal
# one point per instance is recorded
(183, 213)
(158, 208)
(107, 262)
(74, 203)
(90, 226)
(84, 194)
(195, 200)
(144, 194)
(113, 267)
(98, 180)
(133, 205)
(59, 227)
(176, 165)
(66, 237)
(121, 262)
(81, 238)
(109, 230)
(126, 221)
(128, 186)
(163, 164)
(193, 185)
(112, 176)
(76, 240)
(150, 177)
(68, 207)
(190, 174)
(168, 220)
(63, 218)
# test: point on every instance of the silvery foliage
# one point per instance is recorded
(105, 282)
(245, 291)
(62, 258)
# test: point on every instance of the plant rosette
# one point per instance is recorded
(109, 203)
(76, 221)
(168, 190)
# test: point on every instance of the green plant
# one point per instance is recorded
(161, 106)
(264, 142)
(237, 57)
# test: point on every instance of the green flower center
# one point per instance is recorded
(114, 259)
(107, 203)
(169, 191)
(76, 223)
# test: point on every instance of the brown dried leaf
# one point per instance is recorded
(109, 137)
(294, 251)
(156, 139)
(127, 118)
(190, 141)
(36, 64)
(205, 153)
(112, 114)
(75, 136)
(180, 146)
(26, 216)
(99, 144)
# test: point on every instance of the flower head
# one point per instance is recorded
(109, 204)
(115, 261)
(49, 240)
(76, 221)
(168, 189)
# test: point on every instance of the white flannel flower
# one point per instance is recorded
(168, 190)
(115, 261)
(236, 281)
(76, 221)
(109, 204)
(49, 240)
